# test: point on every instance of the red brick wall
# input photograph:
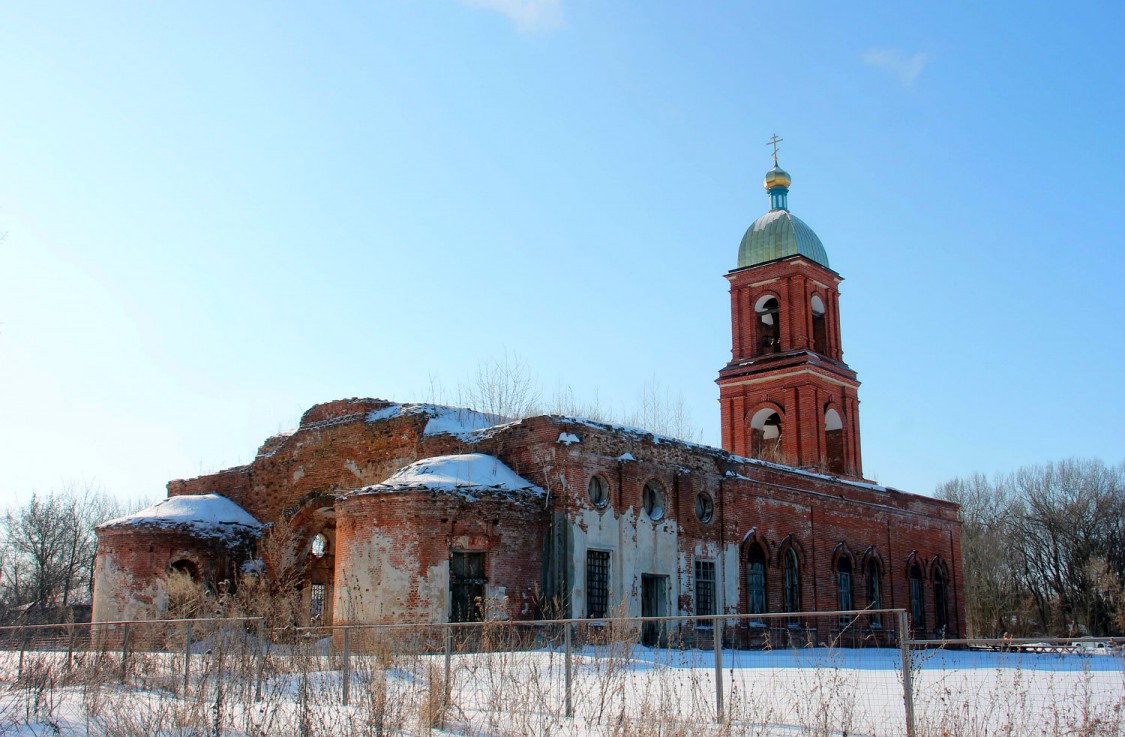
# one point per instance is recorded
(418, 530)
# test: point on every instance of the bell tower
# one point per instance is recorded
(787, 396)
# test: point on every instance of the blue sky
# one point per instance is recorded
(217, 215)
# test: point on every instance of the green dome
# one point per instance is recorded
(778, 234)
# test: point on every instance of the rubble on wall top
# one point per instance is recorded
(717, 453)
(460, 422)
(470, 475)
(204, 515)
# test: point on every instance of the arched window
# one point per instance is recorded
(940, 610)
(845, 599)
(769, 324)
(819, 325)
(791, 593)
(765, 436)
(756, 582)
(652, 498)
(319, 545)
(874, 592)
(917, 607)
(598, 490)
(704, 507)
(187, 568)
(834, 441)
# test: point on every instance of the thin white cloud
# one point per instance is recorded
(905, 66)
(528, 15)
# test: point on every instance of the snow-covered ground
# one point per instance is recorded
(617, 689)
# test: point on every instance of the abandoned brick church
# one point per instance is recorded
(423, 513)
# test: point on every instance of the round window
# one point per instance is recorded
(653, 500)
(599, 491)
(704, 507)
(319, 545)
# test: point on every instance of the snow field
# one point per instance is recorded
(398, 685)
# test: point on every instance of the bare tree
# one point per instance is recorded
(659, 411)
(50, 547)
(506, 388)
(1042, 548)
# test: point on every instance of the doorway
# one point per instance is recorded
(654, 591)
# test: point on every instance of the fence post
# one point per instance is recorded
(124, 651)
(187, 658)
(717, 635)
(23, 648)
(347, 676)
(448, 659)
(907, 672)
(568, 645)
(70, 647)
(261, 658)
(304, 725)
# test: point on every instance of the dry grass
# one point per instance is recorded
(508, 679)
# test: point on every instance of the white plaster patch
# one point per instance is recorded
(351, 466)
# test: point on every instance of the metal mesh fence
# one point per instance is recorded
(769, 674)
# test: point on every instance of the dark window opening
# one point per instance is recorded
(756, 582)
(316, 601)
(187, 568)
(704, 591)
(940, 620)
(467, 587)
(845, 601)
(874, 593)
(792, 588)
(597, 584)
(654, 595)
(769, 326)
(917, 608)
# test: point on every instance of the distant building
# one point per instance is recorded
(421, 513)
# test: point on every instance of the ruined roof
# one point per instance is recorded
(471, 475)
(442, 420)
(204, 515)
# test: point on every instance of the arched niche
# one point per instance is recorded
(834, 441)
(767, 308)
(819, 324)
(766, 430)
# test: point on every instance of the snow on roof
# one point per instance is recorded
(458, 421)
(206, 515)
(658, 439)
(471, 475)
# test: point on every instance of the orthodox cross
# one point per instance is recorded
(773, 142)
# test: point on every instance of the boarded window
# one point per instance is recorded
(704, 590)
(467, 587)
(316, 601)
(597, 583)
